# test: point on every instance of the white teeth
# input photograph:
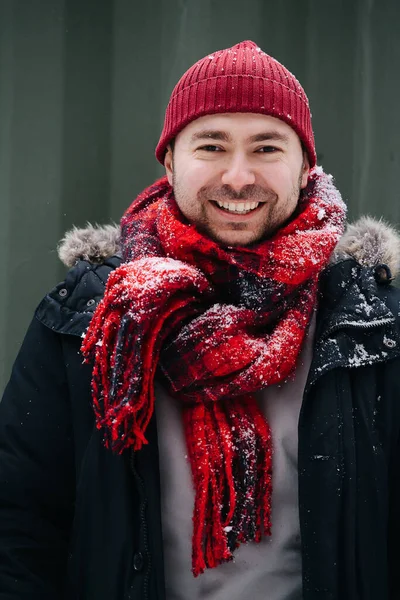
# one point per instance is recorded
(241, 207)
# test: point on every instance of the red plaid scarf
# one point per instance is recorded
(216, 324)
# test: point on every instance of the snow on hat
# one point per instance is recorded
(239, 79)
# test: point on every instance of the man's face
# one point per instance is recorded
(237, 177)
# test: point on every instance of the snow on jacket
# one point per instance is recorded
(78, 522)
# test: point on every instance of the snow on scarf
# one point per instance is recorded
(216, 325)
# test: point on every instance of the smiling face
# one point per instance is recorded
(237, 176)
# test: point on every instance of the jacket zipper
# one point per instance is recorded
(347, 325)
(143, 508)
(355, 325)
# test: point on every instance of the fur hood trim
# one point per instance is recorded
(369, 241)
(94, 243)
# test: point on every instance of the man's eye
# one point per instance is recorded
(209, 148)
(267, 149)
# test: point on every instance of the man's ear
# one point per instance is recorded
(169, 164)
(305, 171)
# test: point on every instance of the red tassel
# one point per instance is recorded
(214, 448)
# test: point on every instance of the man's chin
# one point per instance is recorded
(234, 238)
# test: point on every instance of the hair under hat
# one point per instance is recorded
(239, 79)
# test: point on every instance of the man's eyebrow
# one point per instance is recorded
(211, 134)
(223, 136)
(269, 136)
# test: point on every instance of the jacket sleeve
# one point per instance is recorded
(36, 471)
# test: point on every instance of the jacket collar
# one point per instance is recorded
(355, 326)
(349, 295)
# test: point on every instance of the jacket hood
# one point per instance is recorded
(368, 241)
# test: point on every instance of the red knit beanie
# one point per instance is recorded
(240, 79)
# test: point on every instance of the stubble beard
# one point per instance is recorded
(273, 219)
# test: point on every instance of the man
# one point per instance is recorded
(229, 426)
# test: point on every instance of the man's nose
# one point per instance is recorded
(238, 174)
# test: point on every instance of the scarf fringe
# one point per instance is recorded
(233, 481)
(125, 346)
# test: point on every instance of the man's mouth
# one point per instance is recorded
(238, 208)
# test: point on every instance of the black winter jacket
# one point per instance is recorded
(77, 522)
